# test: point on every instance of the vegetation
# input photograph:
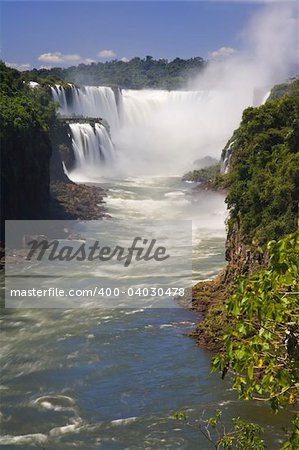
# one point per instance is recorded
(279, 90)
(203, 175)
(25, 117)
(241, 436)
(263, 178)
(23, 108)
(256, 331)
(262, 342)
(27, 121)
(135, 74)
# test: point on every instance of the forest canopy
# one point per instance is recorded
(135, 74)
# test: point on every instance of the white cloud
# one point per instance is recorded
(58, 57)
(106, 54)
(88, 61)
(20, 67)
(125, 59)
(222, 52)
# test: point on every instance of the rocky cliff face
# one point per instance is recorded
(30, 161)
(261, 178)
(25, 175)
(62, 152)
(208, 298)
(243, 259)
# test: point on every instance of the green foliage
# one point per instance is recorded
(202, 175)
(26, 115)
(241, 436)
(279, 90)
(263, 178)
(23, 109)
(180, 415)
(136, 74)
(262, 347)
(214, 324)
(293, 439)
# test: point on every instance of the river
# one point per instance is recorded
(112, 378)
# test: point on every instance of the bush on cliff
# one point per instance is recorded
(202, 175)
(25, 117)
(263, 177)
(262, 341)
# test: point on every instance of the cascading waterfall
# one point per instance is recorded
(138, 107)
(226, 157)
(92, 146)
(154, 132)
(88, 101)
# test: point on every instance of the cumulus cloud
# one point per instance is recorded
(222, 52)
(20, 67)
(106, 54)
(125, 59)
(58, 57)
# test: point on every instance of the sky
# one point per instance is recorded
(63, 33)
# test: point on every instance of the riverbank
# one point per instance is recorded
(210, 186)
(208, 299)
(76, 201)
(68, 201)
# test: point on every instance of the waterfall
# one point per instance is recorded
(87, 101)
(138, 107)
(226, 157)
(92, 146)
(154, 132)
(164, 132)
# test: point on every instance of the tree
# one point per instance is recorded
(262, 345)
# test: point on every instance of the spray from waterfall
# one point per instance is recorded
(158, 132)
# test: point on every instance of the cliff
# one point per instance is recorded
(262, 184)
(34, 143)
(25, 148)
(62, 151)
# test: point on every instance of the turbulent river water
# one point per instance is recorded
(112, 378)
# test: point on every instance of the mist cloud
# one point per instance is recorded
(169, 132)
(268, 51)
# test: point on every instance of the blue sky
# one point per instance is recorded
(66, 33)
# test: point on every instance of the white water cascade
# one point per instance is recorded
(92, 147)
(88, 101)
(154, 132)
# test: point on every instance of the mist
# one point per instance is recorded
(164, 133)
